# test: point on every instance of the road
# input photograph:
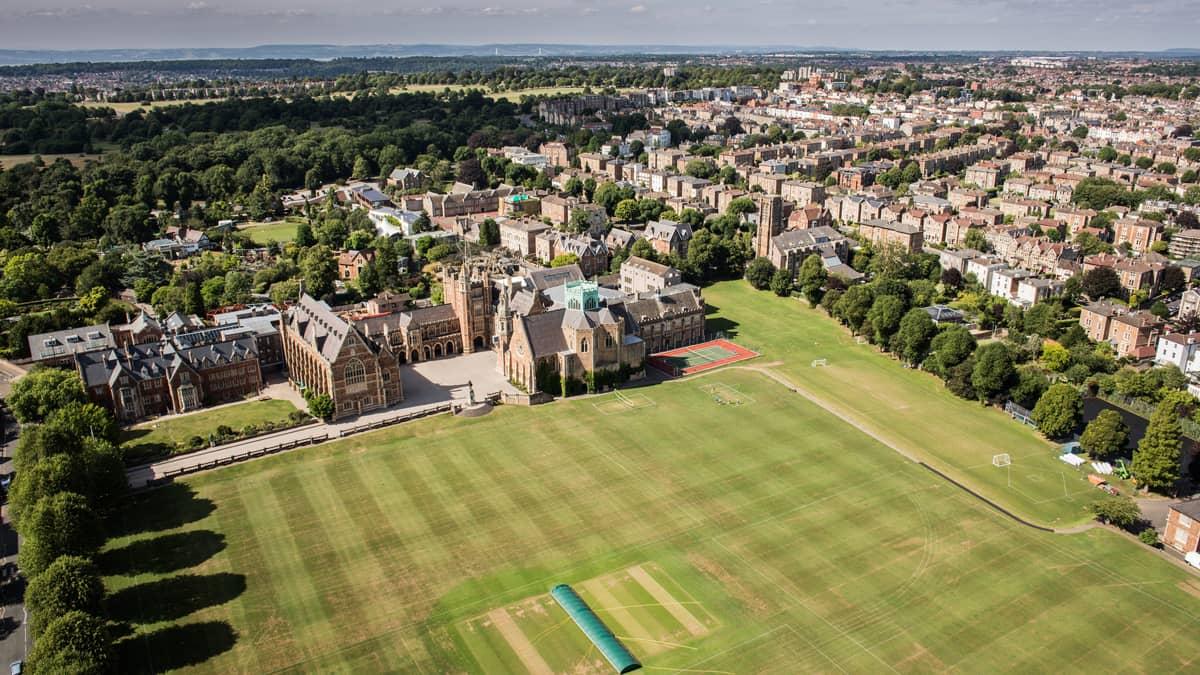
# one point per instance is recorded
(13, 632)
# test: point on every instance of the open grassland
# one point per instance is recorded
(76, 158)
(747, 532)
(126, 107)
(908, 409)
(161, 436)
(279, 231)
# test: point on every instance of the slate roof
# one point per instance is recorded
(155, 360)
(72, 341)
(317, 325)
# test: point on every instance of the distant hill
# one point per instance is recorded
(326, 52)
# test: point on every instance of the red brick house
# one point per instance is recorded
(1182, 532)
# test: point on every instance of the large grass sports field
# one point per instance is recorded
(718, 524)
(908, 409)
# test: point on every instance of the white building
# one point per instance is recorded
(1176, 349)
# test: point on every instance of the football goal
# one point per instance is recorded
(1003, 459)
(817, 363)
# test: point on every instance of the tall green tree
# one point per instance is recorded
(76, 642)
(759, 273)
(34, 397)
(812, 279)
(58, 525)
(1058, 411)
(994, 370)
(1105, 436)
(69, 584)
(885, 316)
(1157, 458)
(916, 332)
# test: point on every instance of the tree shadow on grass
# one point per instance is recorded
(175, 597)
(165, 508)
(714, 325)
(162, 554)
(174, 647)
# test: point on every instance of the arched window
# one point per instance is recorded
(583, 346)
(355, 373)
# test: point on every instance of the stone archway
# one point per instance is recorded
(449, 349)
(437, 351)
(478, 342)
(426, 353)
(414, 356)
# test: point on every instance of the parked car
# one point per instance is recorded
(16, 667)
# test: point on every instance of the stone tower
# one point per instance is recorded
(770, 223)
(504, 326)
(468, 290)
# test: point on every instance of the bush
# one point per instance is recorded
(1116, 510)
(196, 443)
(1149, 537)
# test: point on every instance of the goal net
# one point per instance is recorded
(816, 363)
(1002, 459)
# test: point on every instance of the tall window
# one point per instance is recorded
(583, 346)
(355, 373)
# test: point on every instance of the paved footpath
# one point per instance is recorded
(427, 385)
(139, 476)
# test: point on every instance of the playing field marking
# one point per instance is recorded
(801, 604)
(727, 392)
(670, 645)
(607, 602)
(529, 655)
(664, 597)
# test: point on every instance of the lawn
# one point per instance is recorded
(76, 158)
(908, 409)
(749, 532)
(160, 436)
(279, 231)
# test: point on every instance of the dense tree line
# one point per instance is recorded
(69, 472)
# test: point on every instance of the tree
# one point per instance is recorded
(1080, 131)
(564, 259)
(975, 239)
(304, 235)
(75, 642)
(1030, 386)
(949, 348)
(44, 390)
(916, 333)
(489, 233)
(58, 525)
(852, 308)
(952, 279)
(812, 278)
(318, 269)
(884, 316)
(1116, 510)
(781, 282)
(627, 210)
(1172, 279)
(1055, 357)
(759, 273)
(1058, 411)
(1157, 458)
(994, 370)
(69, 584)
(319, 405)
(1105, 436)
(1101, 282)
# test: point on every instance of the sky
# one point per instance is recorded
(865, 24)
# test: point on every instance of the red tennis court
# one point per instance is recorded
(698, 358)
